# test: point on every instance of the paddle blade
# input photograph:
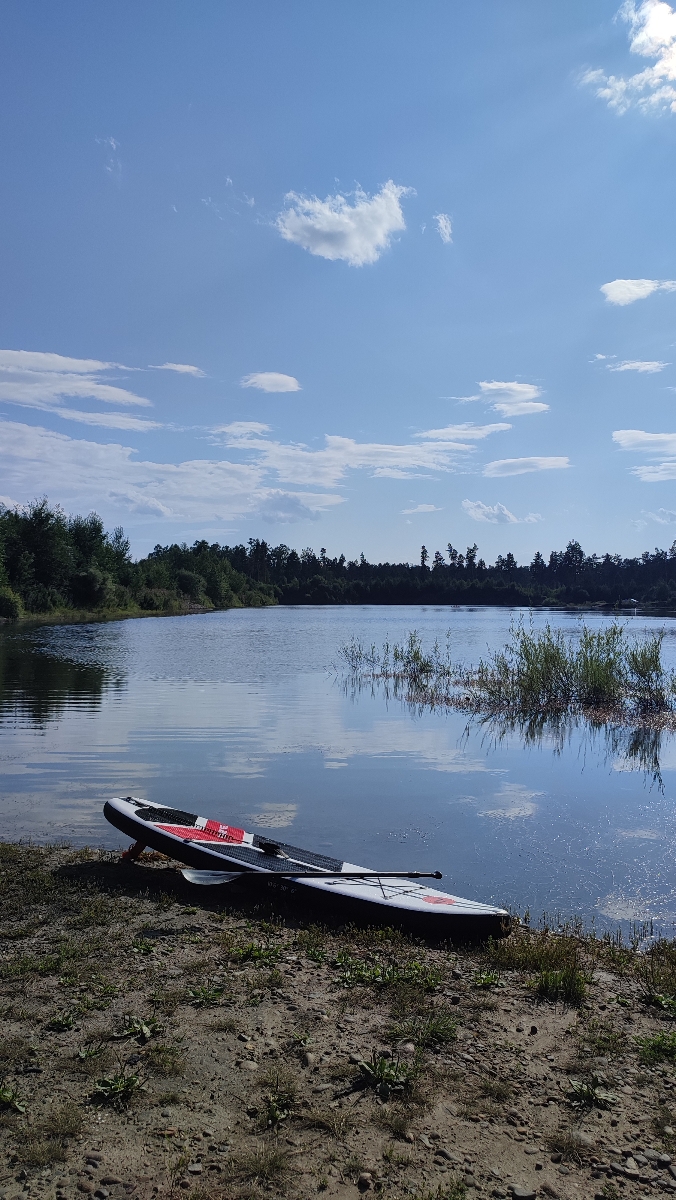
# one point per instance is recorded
(209, 878)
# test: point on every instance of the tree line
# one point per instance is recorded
(51, 562)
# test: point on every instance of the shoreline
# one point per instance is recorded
(244, 1026)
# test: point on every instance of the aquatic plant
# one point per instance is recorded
(539, 674)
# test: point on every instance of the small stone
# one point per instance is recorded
(247, 1064)
(385, 1053)
(523, 1193)
(539, 1166)
(195, 1168)
(355, 1058)
(408, 1048)
(102, 1193)
(455, 999)
(110, 1179)
(564, 1170)
(533, 1029)
(520, 1029)
(632, 1173)
(308, 1059)
(87, 1188)
(669, 1130)
(664, 1160)
(441, 1153)
(672, 1171)
(530, 1150)
(456, 973)
(322, 1087)
(365, 1181)
(243, 1037)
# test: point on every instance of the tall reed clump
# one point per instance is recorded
(540, 673)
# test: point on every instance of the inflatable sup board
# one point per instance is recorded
(215, 853)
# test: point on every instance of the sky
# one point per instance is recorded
(349, 276)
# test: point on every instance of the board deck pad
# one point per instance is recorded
(210, 846)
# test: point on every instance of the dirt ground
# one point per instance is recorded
(161, 1040)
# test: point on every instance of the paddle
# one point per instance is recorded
(214, 877)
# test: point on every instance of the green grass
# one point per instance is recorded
(386, 1075)
(357, 972)
(567, 985)
(434, 1027)
(538, 671)
(661, 1047)
(117, 1090)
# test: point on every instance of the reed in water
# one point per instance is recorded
(600, 673)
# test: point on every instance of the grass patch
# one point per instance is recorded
(600, 1039)
(435, 1027)
(47, 1141)
(356, 972)
(531, 951)
(280, 1096)
(164, 1060)
(566, 1142)
(498, 1090)
(268, 1164)
(657, 973)
(567, 985)
(456, 1189)
(661, 1047)
(336, 1121)
(205, 997)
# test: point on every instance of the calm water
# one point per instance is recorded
(239, 715)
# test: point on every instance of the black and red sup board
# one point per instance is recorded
(216, 853)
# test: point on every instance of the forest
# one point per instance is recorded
(51, 562)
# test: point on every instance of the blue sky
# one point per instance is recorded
(415, 263)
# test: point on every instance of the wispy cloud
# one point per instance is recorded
(652, 35)
(646, 368)
(465, 432)
(86, 474)
(43, 381)
(663, 516)
(627, 291)
(328, 466)
(270, 381)
(496, 514)
(357, 233)
(512, 399)
(654, 445)
(181, 368)
(444, 227)
(420, 508)
(651, 443)
(523, 466)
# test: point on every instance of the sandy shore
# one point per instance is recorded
(160, 1040)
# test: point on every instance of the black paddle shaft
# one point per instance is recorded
(340, 874)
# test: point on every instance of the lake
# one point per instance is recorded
(240, 715)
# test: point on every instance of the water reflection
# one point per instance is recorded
(627, 747)
(38, 688)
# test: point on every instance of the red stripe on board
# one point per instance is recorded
(205, 835)
(438, 900)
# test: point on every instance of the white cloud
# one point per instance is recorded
(646, 368)
(496, 514)
(420, 508)
(270, 381)
(43, 381)
(512, 399)
(627, 291)
(444, 227)
(663, 516)
(653, 444)
(522, 466)
(298, 464)
(86, 474)
(182, 368)
(243, 429)
(464, 432)
(638, 439)
(653, 35)
(335, 229)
